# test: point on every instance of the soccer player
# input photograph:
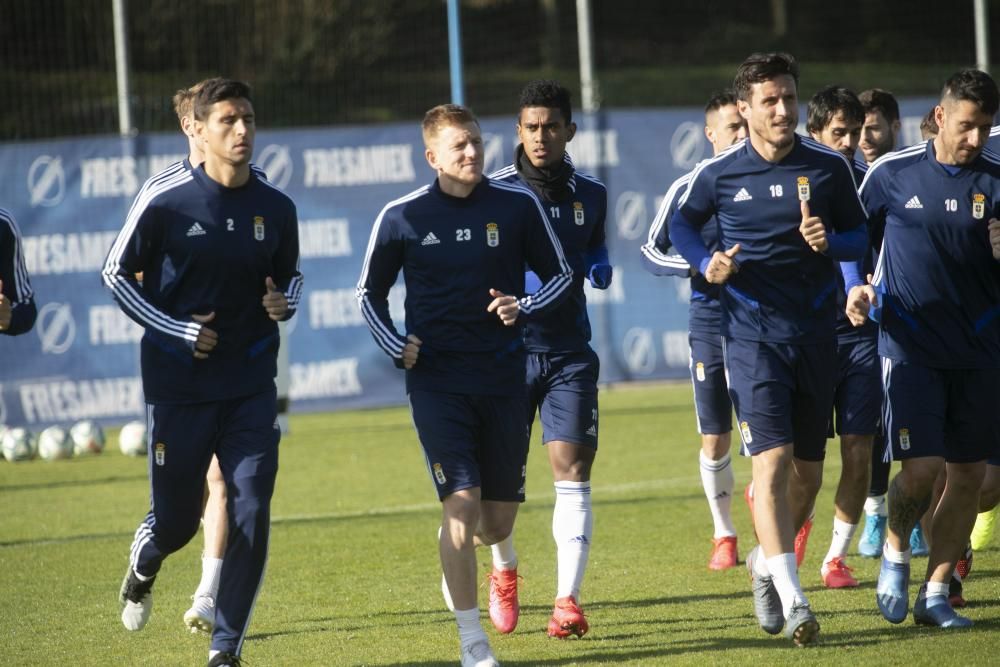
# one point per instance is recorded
(562, 368)
(713, 409)
(938, 285)
(462, 243)
(218, 250)
(201, 615)
(881, 127)
(17, 300)
(835, 117)
(786, 208)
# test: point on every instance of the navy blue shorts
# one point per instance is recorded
(858, 399)
(952, 413)
(782, 394)
(473, 441)
(562, 388)
(712, 405)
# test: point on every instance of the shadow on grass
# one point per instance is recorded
(39, 541)
(69, 483)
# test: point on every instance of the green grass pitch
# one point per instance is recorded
(353, 577)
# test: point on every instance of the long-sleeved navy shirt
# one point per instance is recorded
(784, 292)
(14, 274)
(939, 284)
(202, 248)
(452, 251)
(578, 221)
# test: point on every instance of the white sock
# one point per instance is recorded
(936, 589)
(876, 505)
(893, 556)
(759, 562)
(843, 533)
(211, 570)
(785, 574)
(470, 630)
(572, 527)
(717, 480)
(504, 556)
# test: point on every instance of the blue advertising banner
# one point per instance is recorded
(70, 198)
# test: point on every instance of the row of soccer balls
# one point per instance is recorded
(83, 438)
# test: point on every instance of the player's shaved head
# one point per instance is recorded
(445, 115)
(974, 86)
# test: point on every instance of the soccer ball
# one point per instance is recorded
(54, 443)
(88, 438)
(132, 439)
(18, 444)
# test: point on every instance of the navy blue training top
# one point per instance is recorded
(452, 251)
(784, 291)
(939, 284)
(579, 223)
(203, 247)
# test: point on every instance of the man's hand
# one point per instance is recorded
(207, 338)
(812, 229)
(274, 301)
(506, 307)
(994, 228)
(6, 310)
(722, 266)
(411, 351)
(860, 299)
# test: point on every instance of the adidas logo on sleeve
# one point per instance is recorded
(430, 239)
(196, 230)
(742, 195)
(914, 202)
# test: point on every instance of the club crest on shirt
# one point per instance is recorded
(904, 439)
(578, 213)
(492, 234)
(803, 182)
(258, 227)
(161, 454)
(978, 206)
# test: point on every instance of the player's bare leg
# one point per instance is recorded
(909, 497)
(989, 500)
(784, 491)
(953, 520)
(460, 516)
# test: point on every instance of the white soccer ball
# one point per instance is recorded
(54, 443)
(132, 439)
(88, 438)
(18, 444)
